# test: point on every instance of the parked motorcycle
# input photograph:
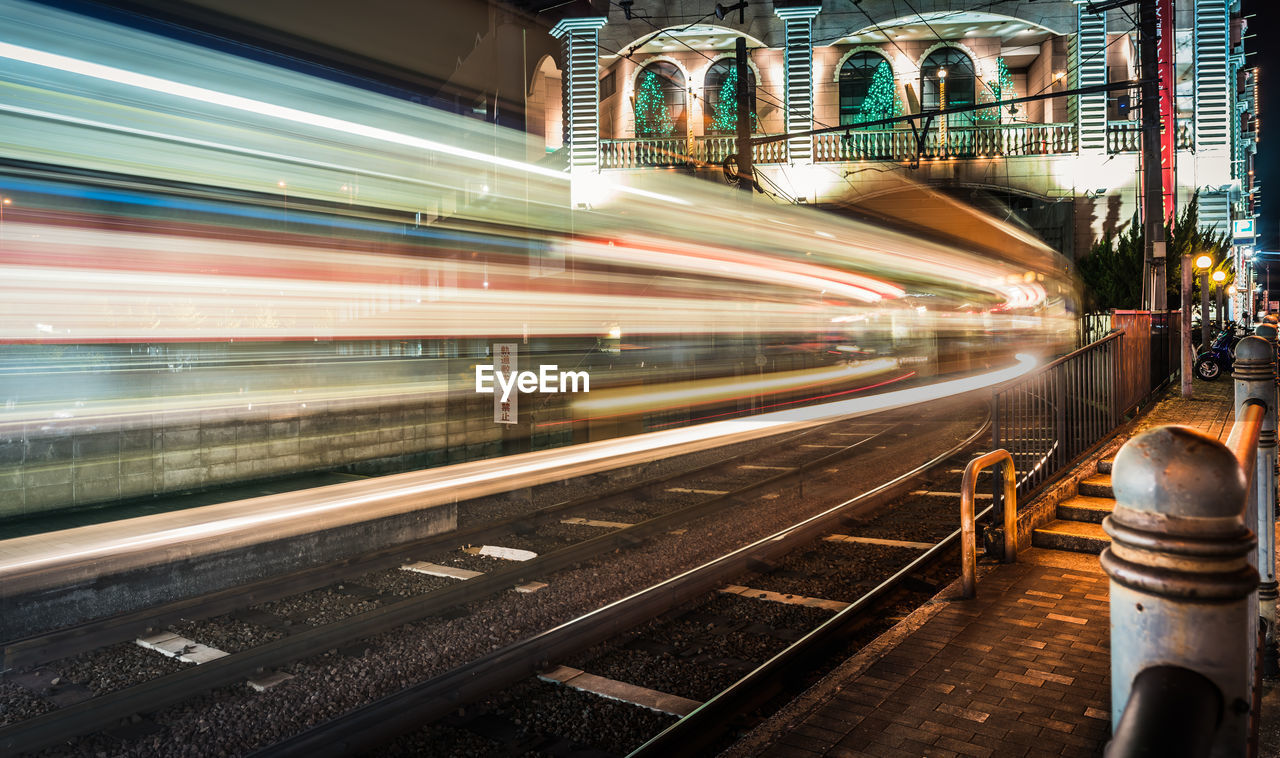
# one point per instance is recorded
(1218, 358)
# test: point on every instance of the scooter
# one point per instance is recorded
(1218, 358)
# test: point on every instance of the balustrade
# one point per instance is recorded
(663, 152)
(1126, 136)
(1005, 140)
(962, 142)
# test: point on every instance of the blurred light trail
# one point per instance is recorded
(236, 102)
(28, 563)
(641, 399)
(200, 238)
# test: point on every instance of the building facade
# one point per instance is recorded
(651, 87)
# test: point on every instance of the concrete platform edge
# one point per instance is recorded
(795, 712)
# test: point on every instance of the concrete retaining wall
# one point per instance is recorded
(47, 467)
(111, 593)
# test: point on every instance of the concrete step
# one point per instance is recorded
(1104, 465)
(1085, 508)
(1097, 486)
(1075, 536)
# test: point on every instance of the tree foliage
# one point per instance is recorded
(1112, 271)
(726, 109)
(653, 117)
(882, 100)
(1001, 89)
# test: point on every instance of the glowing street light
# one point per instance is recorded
(1203, 264)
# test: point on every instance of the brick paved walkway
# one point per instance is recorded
(1022, 670)
(1211, 408)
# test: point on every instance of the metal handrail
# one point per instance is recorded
(1172, 711)
(1243, 440)
(968, 539)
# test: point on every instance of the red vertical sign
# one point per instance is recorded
(1168, 117)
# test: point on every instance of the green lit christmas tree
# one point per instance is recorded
(882, 96)
(653, 118)
(725, 118)
(1001, 90)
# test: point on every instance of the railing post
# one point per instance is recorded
(1255, 375)
(1180, 569)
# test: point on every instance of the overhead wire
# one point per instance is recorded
(763, 92)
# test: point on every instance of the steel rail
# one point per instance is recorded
(41, 648)
(56, 727)
(368, 726)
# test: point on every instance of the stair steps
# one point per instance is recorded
(1078, 527)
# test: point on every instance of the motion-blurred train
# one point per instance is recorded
(298, 274)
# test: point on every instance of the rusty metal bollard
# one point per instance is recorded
(1255, 379)
(1181, 572)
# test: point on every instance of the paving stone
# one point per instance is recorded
(977, 680)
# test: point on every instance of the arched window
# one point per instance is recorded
(659, 101)
(961, 83)
(719, 98)
(867, 90)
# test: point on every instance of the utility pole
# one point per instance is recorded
(1184, 317)
(746, 167)
(1153, 283)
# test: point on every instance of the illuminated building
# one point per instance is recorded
(1069, 166)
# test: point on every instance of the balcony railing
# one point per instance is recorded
(962, 142)
(1126, 136)
(860, 145)
(665, 152)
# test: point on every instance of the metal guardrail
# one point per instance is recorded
(1050, 417)
(968, 536)
(1173, 712)
(1187, 606)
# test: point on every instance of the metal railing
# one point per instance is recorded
(968, 534)
(1093, 327)
(1050, 417)
(1173, 711)
(1193, 590)
(1149, 357)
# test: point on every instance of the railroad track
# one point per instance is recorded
(715, 688)
(665, 512)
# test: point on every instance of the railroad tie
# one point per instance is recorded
(435, 569)
(594, 522)
(175, 646)
(504, 553)
(977, 496)
(613, 689)
(778, 597)
(878, 541)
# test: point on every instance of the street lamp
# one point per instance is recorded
(1219, 277)
(942, 106)
(3, 203)
(1203, 264)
